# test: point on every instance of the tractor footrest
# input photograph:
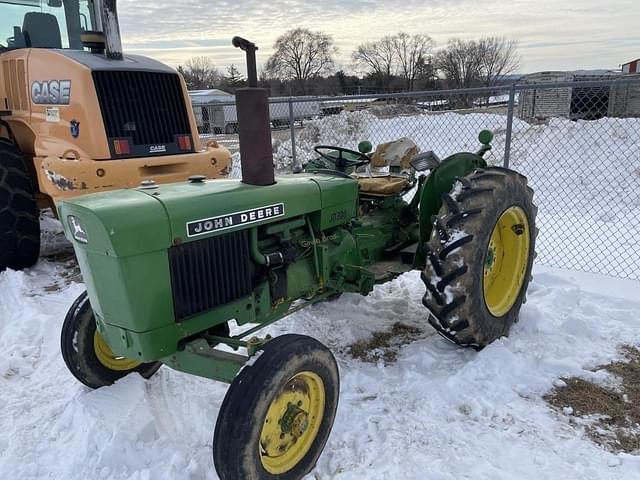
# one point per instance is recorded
(407, 254)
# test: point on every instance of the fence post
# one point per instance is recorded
(507, 140)
(293, 136)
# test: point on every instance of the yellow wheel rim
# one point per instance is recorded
(109, 359)
(292, 423)
(506, 261)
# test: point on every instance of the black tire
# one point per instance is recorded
(231, 128)
(77, 346)
(236, 440)
(458, 249)
(19, 216)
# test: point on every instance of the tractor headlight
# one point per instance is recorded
(425, 161)
(77, 230)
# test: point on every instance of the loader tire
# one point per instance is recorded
(19, 218)
(479, 257)
(278, 413)
(87, 355)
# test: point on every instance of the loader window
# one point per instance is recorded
(46, 23)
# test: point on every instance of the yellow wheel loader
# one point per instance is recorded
(77, 116)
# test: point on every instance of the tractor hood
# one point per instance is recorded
(132, 222)
(123, 238)
(201, 209)
(120, 223)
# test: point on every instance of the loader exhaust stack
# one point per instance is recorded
(111, 28)
(254, 129)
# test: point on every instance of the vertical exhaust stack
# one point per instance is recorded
(254, 124)
(111, 29)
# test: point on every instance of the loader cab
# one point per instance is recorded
(53, 24)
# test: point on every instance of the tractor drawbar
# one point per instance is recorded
(254, 128)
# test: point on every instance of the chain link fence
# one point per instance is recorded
(577, 142)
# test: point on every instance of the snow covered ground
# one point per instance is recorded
(438, 412)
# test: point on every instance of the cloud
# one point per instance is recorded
(552, 34)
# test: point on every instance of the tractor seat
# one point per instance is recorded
(386, 185)
(41, 30)
(390, 156)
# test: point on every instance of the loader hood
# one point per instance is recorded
(129, 62)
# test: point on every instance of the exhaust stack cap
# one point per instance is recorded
(250, 48)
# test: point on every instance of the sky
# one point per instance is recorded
(552, 34)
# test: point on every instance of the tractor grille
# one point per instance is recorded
(147, 107)
(210, 272)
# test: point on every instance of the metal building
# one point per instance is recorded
(631, 67)
(624, 100)
(575, 103)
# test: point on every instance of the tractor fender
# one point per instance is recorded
(439, 182)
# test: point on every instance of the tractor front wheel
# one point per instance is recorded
(479, 257)
(87, 355)
(277, 415)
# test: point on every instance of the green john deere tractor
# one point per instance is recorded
(168, 267)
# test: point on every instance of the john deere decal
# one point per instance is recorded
(223, 222)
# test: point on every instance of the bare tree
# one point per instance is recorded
(301, 55)
(378, 57)
(410, 52)
(400, 54)
(499, 57)
(200, 73)
(461, 63)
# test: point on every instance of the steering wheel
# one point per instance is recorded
(343, 158)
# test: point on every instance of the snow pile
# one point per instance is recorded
(438, 412)
(346, 130)
(395, 109)
(444, 133)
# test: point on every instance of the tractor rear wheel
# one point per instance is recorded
(277, 415)
(19, 219)
(479, 257)
(87, 355)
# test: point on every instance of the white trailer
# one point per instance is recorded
(215, 111)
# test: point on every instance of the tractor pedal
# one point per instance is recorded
(407, 254)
